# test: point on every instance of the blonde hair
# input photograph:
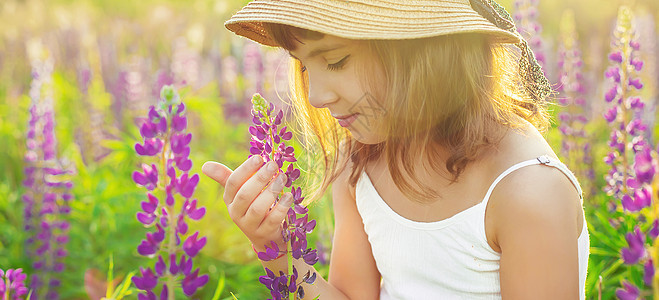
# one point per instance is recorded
(449, 90)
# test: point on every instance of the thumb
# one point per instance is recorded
(216, 171)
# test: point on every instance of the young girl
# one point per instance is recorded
(443, 186)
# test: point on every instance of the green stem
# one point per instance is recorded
(171, 246)
(7, 289)
(289, 247)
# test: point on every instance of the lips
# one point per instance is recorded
(345, 121)
(344, 116)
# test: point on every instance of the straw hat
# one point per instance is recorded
(393, 19)
(366, 19)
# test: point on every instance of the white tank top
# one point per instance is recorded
(447, 259)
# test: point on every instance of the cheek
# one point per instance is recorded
(371, 76)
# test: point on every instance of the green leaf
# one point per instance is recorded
(110, 287)
(220, 287)
(123, 291)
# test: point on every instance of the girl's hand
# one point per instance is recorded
(250, 206)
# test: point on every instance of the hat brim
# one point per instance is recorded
(366, 19)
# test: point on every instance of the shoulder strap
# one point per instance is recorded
(543, 159)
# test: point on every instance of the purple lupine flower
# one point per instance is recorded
(631, 157)
(642, 198)
(654, 231)
(229, 75)
(47, 189)
(192, 282)
(186, 64)
(644, 167)
(648, 273)
(275, 74)
(575, 146)
(636, 250)
(624, 115)
(268, 141)
(134, 86)
(12, 284)
(526, 21)
(253, 68)
(629, 292)
(90, 137)
(163, 78)
(164, 136)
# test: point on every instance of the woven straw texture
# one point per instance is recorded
(366, 19)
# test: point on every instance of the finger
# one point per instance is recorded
(216, 171)
(232, 181)
(259, 207)
(251, 189)
(279, 212)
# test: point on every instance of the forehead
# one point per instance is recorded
(307, 48)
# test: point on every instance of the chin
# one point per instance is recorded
(369, 139)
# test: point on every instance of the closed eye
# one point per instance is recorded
(338, 65)
(332, 67)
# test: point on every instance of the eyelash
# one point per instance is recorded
(339, 65)
(333, 67)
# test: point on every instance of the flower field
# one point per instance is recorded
(108, 110)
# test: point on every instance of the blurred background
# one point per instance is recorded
(109, 60)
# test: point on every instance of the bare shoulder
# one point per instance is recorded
(537, 220)
(536, 230)
(533, 193)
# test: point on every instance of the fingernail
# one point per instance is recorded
(272, 166)
(257, 160)
(279, 182)
(207, 167)
(286, 199)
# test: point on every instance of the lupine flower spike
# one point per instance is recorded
(169, 187)
(269, 141)
(575, 145)
(47, 194)
(631, 158)
(526, 18)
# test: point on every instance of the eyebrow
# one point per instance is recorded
(318, 51)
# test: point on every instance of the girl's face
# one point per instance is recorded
(333, 67)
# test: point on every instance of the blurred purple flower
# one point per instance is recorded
(47, 196)
(616, 56)
(636, 249)
(575, 146)
(648, 272)
(253, 68)
(644, 166)
(627, 126)
(654, 231)
(642, 198)
(629, 292)
(526, 21)
(631, 184)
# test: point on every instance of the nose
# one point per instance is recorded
(321, 92)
